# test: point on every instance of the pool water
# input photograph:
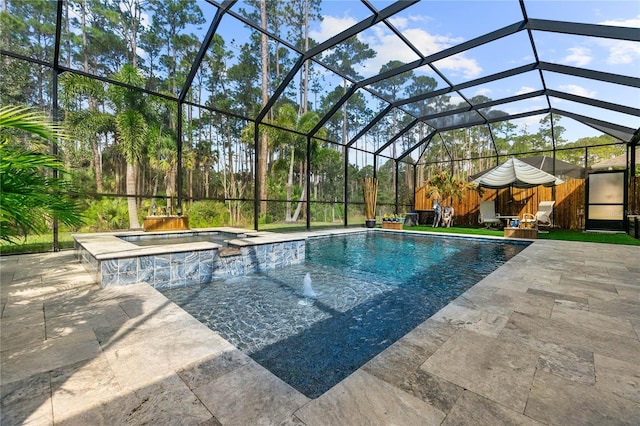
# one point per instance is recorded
(163, 239)
(369, 290)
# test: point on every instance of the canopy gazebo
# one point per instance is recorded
(517, 174)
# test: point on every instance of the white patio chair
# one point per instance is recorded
(488, 214)
(542, 218)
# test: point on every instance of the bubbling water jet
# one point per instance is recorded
(307, 290)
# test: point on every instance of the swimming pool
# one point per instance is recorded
(364, 292)
(161, 239)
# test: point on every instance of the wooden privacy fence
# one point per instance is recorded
(568, 212)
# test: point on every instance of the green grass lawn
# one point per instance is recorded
(37, 244)
(554, 234)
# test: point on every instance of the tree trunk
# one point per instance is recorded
(305, 89)
(230, 155)
(131, 199)
(171, 184)
(97, 163)
(393, 149)
(289, 187)
(303, 197)
(262, 151)
(344, 120)
(190, 179)
(207, 174)
(152, 206)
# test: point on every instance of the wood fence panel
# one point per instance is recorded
(569, 198)
(568, 212)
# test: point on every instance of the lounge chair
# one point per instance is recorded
(542, 218)
(488, 214)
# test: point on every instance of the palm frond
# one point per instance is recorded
(75, 85)
(29, 120)
(29, 198)
(132, 131)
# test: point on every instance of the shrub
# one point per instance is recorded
(207, 214)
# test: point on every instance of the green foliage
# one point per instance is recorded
(207, 214)
(443, 187)
(595, 154)
(30, 198)
(30, 121)
(37, 243)
(107, 214)
(330, 213)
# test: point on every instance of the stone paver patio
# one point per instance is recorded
(551, 338)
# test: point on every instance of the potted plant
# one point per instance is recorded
(370, 195)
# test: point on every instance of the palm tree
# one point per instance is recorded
(443, 187)
(29, 199)
(131, 129)
(86, 124)
(129, 121)
(296, 144)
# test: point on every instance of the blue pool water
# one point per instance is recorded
(369, 289)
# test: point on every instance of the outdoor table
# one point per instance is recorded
(507, 219)
(530, 233)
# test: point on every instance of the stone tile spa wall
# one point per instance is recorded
(168, 270)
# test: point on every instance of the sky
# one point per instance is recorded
(432, 26)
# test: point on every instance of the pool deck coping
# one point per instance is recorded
(109, 245)
(551, 337)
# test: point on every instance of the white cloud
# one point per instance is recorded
(399, 22)
(579, 56)
(330, 26)
(525, 89)
(483, 92)
(524, 108)
(389, 47)
(455, 100)
(429, 44)
(526, 122)
(525, 60)
(622, 52)
(460, 65)
(145, 20)
(574, 89)
(633, 22)
(420, 18)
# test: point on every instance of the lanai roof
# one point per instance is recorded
(519, 34)
(534, 57)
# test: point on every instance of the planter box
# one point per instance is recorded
(165, 223)
(530, 233)
(391, 225)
